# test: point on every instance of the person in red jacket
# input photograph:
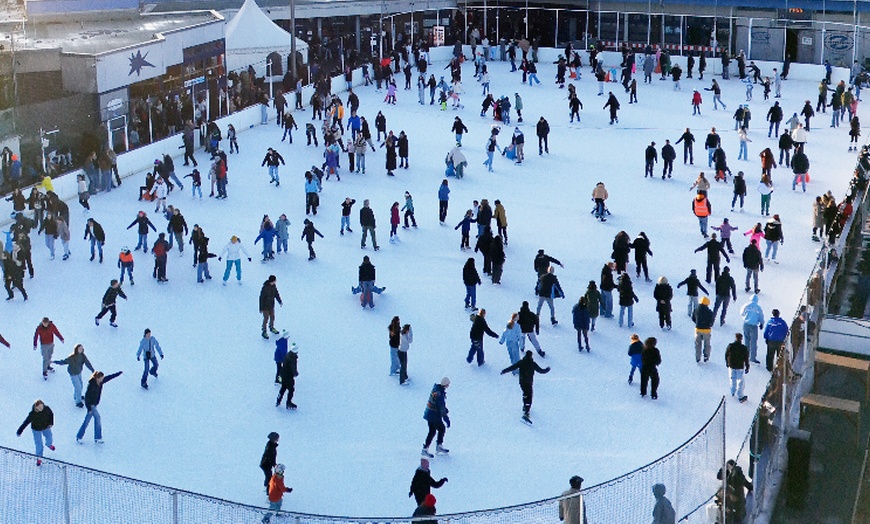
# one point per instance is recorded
(160, 249)
(45, 333)
(276, 492)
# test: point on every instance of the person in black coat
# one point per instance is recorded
(549, 288)
(403, 149)
(95, 232)
(270, 457)
(737, 360)
(471, 279)
(422, 483)
(651, 156)
(289, 372)
(688, 139)
(627, 298)
(663, 294)
(621, 248)
(543, 261)
(527, 368)
(714, 248)
(268, 296)
(484, 245)
(651, 359)
(479, 327)
(109, 298)
(668, 157)
(92, 400)
(497, 256)
(726, 290)
(543, 131)
(40, 419)
(753, 262)
(308, 235)
(641, 250)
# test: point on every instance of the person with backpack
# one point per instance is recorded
(436, 416)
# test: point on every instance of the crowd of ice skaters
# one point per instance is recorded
(44, 212)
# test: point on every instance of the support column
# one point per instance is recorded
(357, 29)
(320, 30)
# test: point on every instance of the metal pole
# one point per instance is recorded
(66, 514)
(724, 464)
(175, 507)
(586, 30)
(616, 40)
(485, 26)
(527, 19)
(749, 43)
(855, 21)
(150, 119)
(556, 34)
(293, 38)
(682, 26)
(648, 21)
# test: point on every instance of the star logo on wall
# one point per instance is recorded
(137, 62)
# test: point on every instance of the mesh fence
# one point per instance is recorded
(57, 492)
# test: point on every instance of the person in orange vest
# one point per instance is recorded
(702, 209)
(276, 492)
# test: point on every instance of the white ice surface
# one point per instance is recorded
(352, 446)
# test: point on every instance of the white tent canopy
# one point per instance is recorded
(251, 36)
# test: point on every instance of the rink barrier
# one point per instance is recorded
(60, 492)
(763, 454)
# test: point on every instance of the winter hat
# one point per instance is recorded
(234, 238)
(705, 301)
(429, 500)
(576, 481)
(445, 382)
(424, 463)
(663, 280)
(293, 347)
(156, 162)
(273, 436)
(693, 271)
(285, 334)
(279, 469)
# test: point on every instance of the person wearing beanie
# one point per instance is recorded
(572, 508)
(704, 319)
(663, 294)
(423, 482)
(425, 509)
(436, 416)
(753, 320)
(289, 372)
(270, 457)
(276, 492)
(149, 346)
(527, 368)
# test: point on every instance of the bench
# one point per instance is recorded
(847, 363)
(849, 408)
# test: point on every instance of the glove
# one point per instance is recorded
(249, 259)
(138, 359)
(446, 421)
(219, 259)
(444, 479)
(161, 357)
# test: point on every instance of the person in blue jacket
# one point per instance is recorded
(753, 320)
(581, 323)
(282, 232)
(92, 400)
(635, 352)
(280, 353)
(512, 337)
(267, 235)
(436, 415)
(443, 198)
(465, 224)
(151, 347)
(312, 199)
(775, 333)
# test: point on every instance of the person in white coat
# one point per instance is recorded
(233, 253)
(405, 339)
(158, 194)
